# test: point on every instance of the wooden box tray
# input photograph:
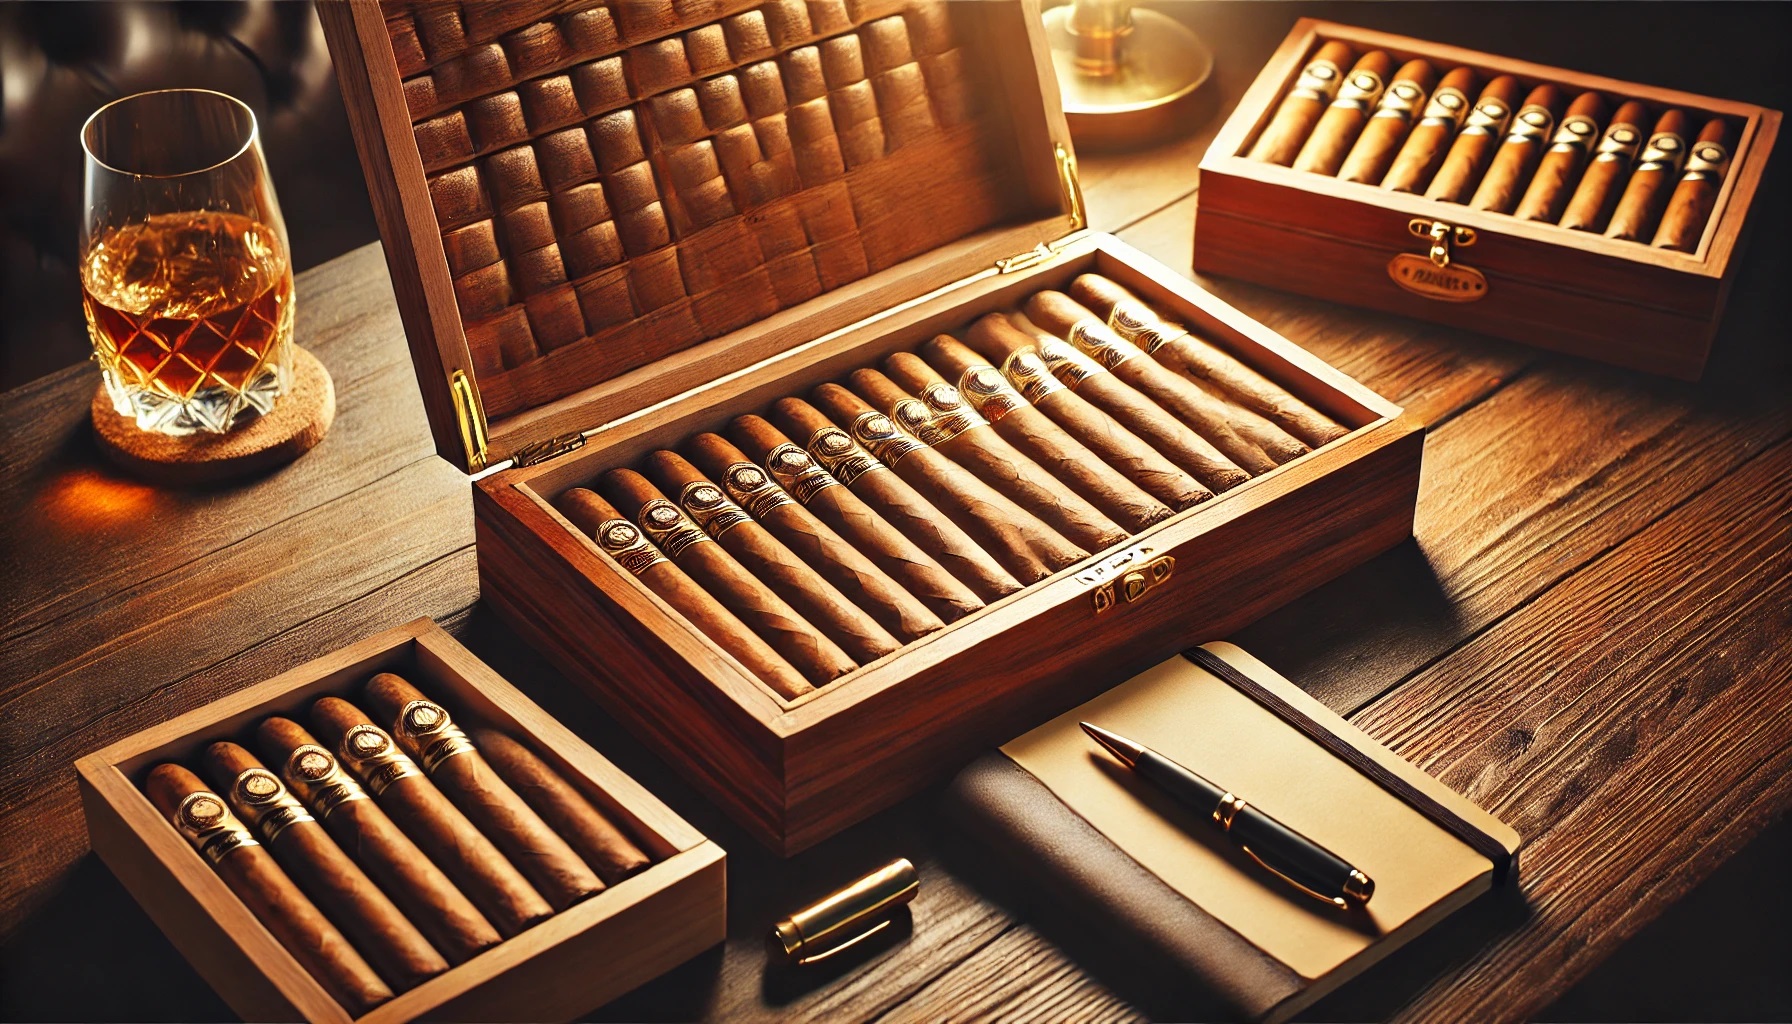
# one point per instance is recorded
(1622, 302)
(965, 211)
(567, 965)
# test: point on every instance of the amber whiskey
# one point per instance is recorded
(191, 318)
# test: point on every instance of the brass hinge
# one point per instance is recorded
(1072, 196)
(547, 448)
(469, 415)
(1073, 189)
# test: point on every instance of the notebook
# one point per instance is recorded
(1114, 847)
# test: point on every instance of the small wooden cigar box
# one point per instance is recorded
(1627, 302)
(967, 204)
(568, 964)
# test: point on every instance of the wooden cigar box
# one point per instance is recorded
(1622, 302)
(969, 216)
(633, 931)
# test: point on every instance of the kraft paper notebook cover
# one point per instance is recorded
(1124, 855)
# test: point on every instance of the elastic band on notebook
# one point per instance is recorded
(1448, 820)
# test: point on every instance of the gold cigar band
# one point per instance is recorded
(841, 456)
(1448, 106)
(1708, 160)
(1401, 100)
(427, 733)
(669, 528)
(1067, 363)
(710, 508)
(1026, 370)
(798, 473)
(318, 778)
(1531, 124)
(949, 413)
(1140, 326)
(1318, 81)
(1488, 118)
(1620, 143)
(750, 488)
(1360, 90)
(208, 824)
(988, 392)
(1575, 133)
(622, 541)
(266, 803)
(882, 438)
(1095, 340)
(1665, 152)
(372, 755)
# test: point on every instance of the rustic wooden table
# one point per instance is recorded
(1589, 635)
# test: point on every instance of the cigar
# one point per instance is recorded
(1174, 346)
(1475, 144)
(429, 817)
(1425, 146)
(1369, 159)
(1301, 108)
(765, 613)
(1647, 192)
(426, 732)
(1547, 195)
(1035, 435)
(830, 501)
(609, 851)
(625, 544)
(398, 951)
(249, 870)
(364, 831)
(1251, 442)
(1168, 435)
(1590, 209)
(773, 564)
(953, 427)
(1026, 547)
(1696, 194)
(814, 541)
(894, 501)
(997, 340)
(1338, 128)
(1520, 151)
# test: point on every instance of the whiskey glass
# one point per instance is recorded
(185, 271)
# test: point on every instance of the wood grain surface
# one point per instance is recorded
(1587, 635)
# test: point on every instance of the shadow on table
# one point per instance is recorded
(90, 953)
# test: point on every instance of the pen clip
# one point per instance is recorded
(848, 944)
(1336, 901)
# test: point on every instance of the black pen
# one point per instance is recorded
(1300, 861)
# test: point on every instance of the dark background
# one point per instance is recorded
(1721, 954)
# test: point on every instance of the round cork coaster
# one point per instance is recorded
(300, 419)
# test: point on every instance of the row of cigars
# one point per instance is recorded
(383, 855)
(838, 530)
(1536, 155)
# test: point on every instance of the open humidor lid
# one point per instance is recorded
(589, 207)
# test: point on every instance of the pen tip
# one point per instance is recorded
(1124, 749)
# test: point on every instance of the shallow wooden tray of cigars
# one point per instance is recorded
(1599, 217)
(672, 272)
(393, 832)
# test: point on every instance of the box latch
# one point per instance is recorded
(1071, 190)
(1126, 576)
(1438, 274)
